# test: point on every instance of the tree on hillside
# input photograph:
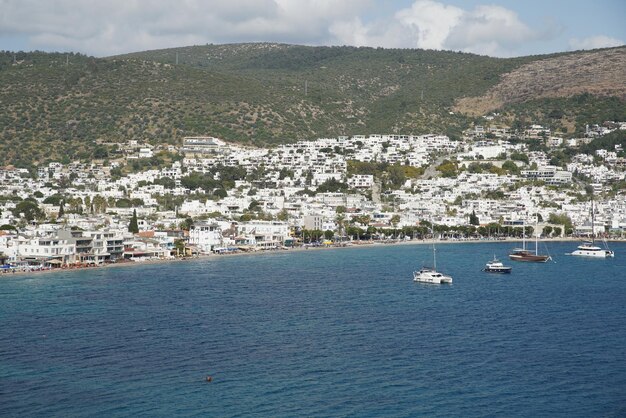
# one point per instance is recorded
(396, 176)
(29, 209)
(99, 204)
(519, 156)
(186, 224)
(133, 226)
(448, 168)
(473, 219)
(560, 219)
(511, 167)
(54, 199)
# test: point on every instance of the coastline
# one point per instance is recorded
(360, 244)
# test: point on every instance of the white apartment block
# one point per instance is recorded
(361, 181)
(265, 234)
(207, 237)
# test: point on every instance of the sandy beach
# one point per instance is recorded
(358, 244)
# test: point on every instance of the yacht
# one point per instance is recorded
(496, 266)
(428, 275)
(589, 249)
(431, 275)
(523, 254)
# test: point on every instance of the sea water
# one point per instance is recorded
(342, 332)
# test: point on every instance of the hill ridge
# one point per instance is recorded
(64, 105)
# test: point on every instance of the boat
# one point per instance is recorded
(588, 248)
(428, 275)
(496, 266)
(524, 254)
(431, 275)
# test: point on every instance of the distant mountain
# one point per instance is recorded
(65, 106)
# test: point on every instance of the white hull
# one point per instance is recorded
(590, 250)
(594, 253)
(497, 267)
(431, 277)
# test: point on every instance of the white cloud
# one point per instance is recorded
(430, 22)
(594, 42)
(117, 26)
(491, 30)
(426, 24)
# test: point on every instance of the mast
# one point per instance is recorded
(593, 229)
(536, 235)
(432, 231)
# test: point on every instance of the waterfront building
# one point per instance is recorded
(205, 236)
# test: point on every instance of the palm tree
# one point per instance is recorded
(340, 219)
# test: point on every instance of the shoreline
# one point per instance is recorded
(360, 244)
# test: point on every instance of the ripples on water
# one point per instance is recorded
(319, 333)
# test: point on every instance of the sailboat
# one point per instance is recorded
(431, 275)
(588, 248)
(524, 254)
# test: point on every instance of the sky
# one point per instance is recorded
(498, 28)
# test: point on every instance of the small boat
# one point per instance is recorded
(496, 266)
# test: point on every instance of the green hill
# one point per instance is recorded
(63, 106)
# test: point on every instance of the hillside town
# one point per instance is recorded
(207, 196)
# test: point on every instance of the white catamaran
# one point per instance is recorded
(589, 249)
(431, 275)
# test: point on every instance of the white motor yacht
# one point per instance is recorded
(496, 266)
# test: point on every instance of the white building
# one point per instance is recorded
(361, 181)
(47, 248)
(207, 237)
(550, 174)
(264, 234)
(313, 222)
(203, 145)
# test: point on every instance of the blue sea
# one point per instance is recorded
(342, 332)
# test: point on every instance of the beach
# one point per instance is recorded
(305, 247)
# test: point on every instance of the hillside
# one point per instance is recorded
(63, 106)
(599, 73)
